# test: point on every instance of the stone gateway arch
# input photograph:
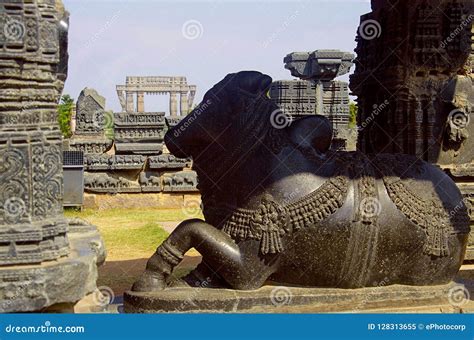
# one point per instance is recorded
(137, 87)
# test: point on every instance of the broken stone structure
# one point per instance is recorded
(135, 161)
(414, 82)
(43, 259)
(317, 92)
(90, 123)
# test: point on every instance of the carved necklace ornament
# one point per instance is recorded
(429, 215)
(271, 220)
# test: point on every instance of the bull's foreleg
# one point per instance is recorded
(219, 250)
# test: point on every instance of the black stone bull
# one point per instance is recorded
(280, 206)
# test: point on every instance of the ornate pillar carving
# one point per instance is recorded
(32, 227)
(44, 258)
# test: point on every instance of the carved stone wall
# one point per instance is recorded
(139, 133)
(299, 98)
(138, 165)
(414, 82)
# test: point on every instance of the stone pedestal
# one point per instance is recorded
(277, 299)
(30, 288)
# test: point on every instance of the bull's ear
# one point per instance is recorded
(312, 132)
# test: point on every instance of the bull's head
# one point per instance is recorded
(223, 109)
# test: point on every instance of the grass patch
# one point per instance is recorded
(134, 242)
(130, 233)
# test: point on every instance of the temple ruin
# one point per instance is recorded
(317, 92)
(135, 159)
(414, 83)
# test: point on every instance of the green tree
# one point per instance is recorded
(352, 114)
(64, 115)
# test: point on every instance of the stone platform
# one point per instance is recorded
(276, 299)
(63, 282)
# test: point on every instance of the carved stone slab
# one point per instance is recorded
(180, 181)
(114, 162)
(139, 148)
(168, 161)
(90, 113)
(95, 146)
(105, 183)
(150, 182)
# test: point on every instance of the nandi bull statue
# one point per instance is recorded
(279, 206)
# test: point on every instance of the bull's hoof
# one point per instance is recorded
(149, 282)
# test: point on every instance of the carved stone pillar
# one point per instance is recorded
(33, 230)
(140, 101)
(173, 104)
(32, 227)
(183, 107)
(129, 101)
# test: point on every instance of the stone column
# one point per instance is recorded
(173, 104)
(129, 101)
(183, 107)
(319, 97)
(40, 264)
(140, 101)
(31, 182)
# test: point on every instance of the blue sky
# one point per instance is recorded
(110, 39)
